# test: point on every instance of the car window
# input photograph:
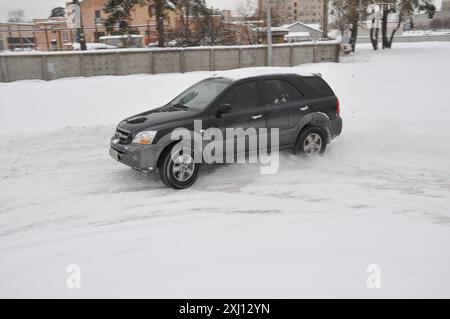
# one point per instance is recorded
(280, 92)
(242, 96)
(317, 87)
(201, 94)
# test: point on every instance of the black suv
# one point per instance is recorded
(303, 108)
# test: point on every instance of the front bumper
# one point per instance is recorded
(140, 157)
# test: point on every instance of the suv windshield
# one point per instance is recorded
(201, 94)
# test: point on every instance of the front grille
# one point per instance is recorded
(124, 136)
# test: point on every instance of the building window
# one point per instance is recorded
(98, 17)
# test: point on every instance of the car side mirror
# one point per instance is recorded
(223, 108)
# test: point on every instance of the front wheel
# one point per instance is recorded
(312, 141)
(178, 169)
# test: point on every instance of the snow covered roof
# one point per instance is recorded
(313, 26)
(277, 29)
(239, 74)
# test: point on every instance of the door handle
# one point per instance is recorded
(305, 108)
(257, 117)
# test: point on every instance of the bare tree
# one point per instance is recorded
(16, 16)
(251, 12)
(339, 12)
(246, 10)
(213, 31)
(404, 9)
(187, 10)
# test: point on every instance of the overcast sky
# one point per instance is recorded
(41, 8)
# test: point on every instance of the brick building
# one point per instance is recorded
(92, 16)
(16, 36)
(51, 33)
(290, 11)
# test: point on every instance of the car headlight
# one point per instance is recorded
(145, 138)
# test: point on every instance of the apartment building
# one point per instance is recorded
(16, 36)
(92, 16)
(51, 33)
(290, 11)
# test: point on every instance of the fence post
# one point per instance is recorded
(240, 57)
(182, 61)
(117, 65)
(314, 53)
(82, 69)
(338, 53)
(152, 65)
(4, 69)
(44, 61)
(266, 58)
(291, 55)
(211, 60)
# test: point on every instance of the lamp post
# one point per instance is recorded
(79, 25)
(269, 33)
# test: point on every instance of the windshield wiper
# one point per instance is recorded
(180, 106)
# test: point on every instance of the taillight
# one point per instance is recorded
(338, 108)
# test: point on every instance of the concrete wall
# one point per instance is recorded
(55, 65)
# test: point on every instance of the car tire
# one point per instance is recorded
(178, 169)
(311, 141)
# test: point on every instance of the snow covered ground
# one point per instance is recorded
(380, 195)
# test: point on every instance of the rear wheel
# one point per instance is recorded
(311, 141)
(178, 169)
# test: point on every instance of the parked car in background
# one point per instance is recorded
(123, 41)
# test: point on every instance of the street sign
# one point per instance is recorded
(74, 16)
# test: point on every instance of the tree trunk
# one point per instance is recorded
(374, 38)
(161, 31)
(394, 31)
(354, 35)
(384, 26)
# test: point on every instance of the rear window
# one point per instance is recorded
(316, 87)
(280, 92)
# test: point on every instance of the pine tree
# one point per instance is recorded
(58, 12)
(120, 15)
(188, 9)
(160, 9)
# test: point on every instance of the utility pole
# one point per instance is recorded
(269, 33)
(79, 25)
(326, 4)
